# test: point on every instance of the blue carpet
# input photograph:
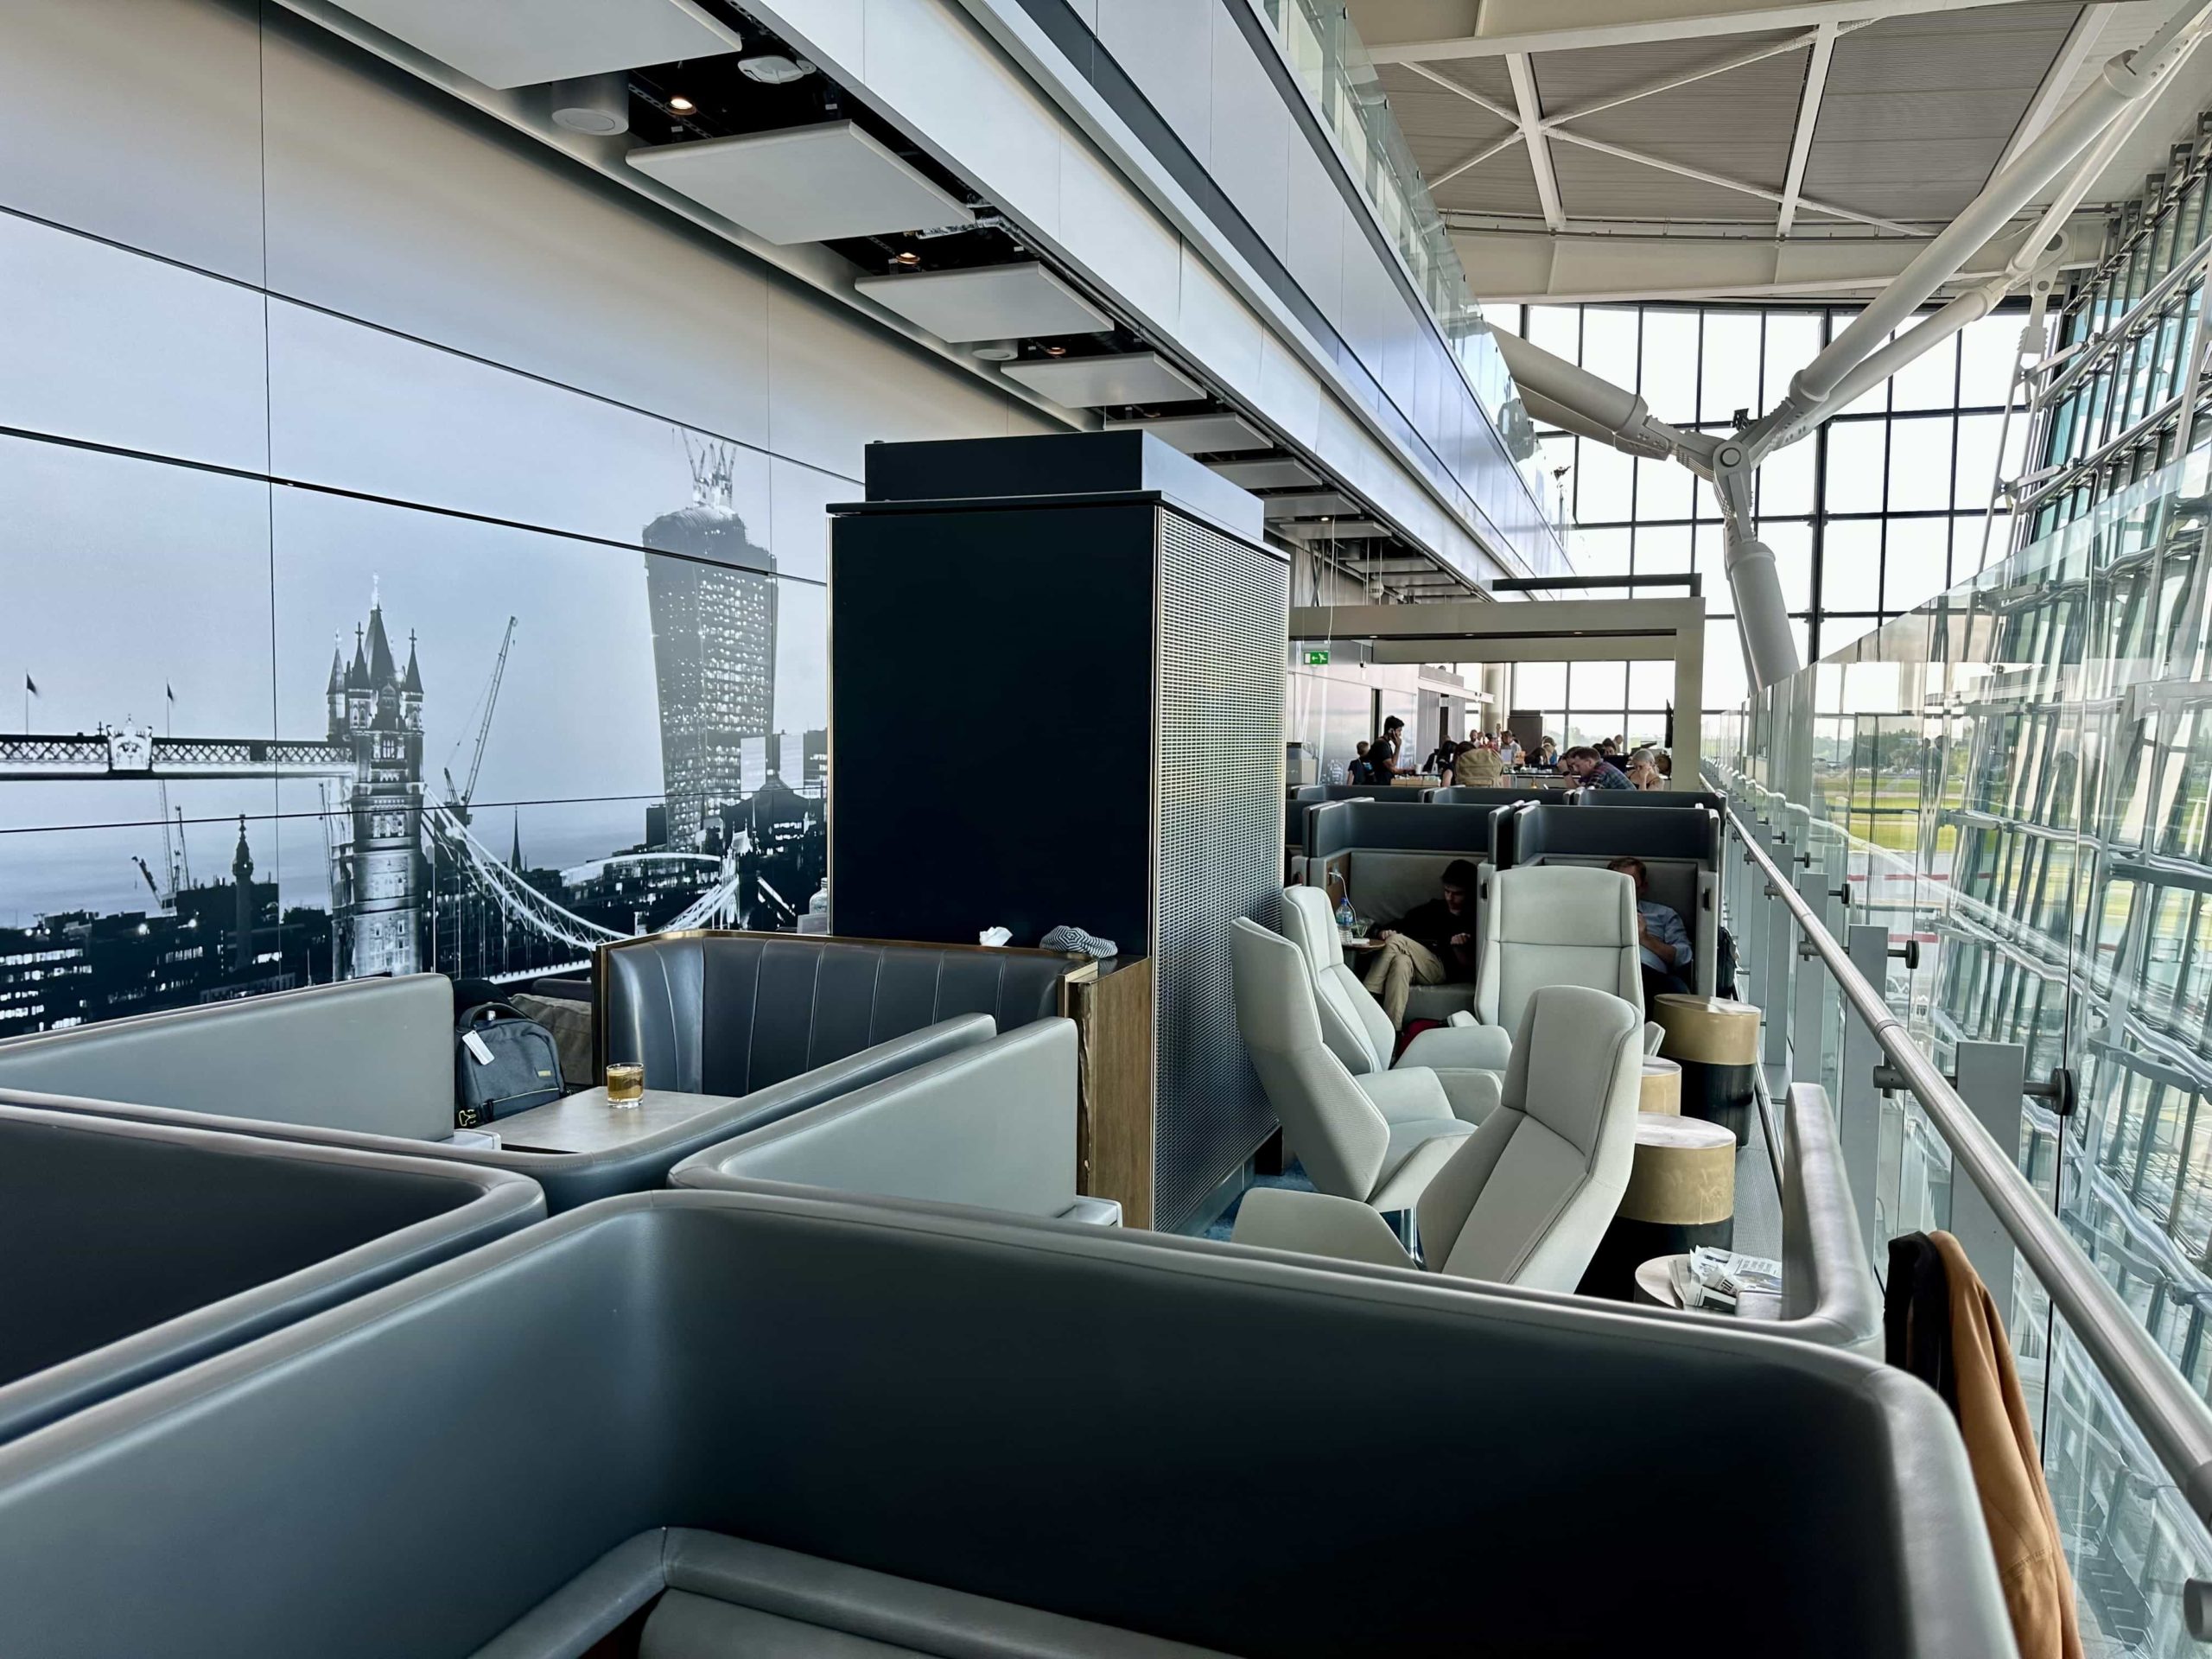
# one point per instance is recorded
(1292, 1177)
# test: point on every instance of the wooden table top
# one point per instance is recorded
(586, 1121)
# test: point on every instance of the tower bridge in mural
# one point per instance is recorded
(412, 886)
(386, 835)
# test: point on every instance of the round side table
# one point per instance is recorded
(1717, 1046)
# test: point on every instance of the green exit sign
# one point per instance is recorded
(1317, 659)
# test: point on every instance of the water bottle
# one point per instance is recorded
(1347, 924)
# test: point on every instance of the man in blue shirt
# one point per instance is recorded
(1593, 769)
(1662, 943)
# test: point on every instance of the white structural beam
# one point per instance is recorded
(1515, 260)
(1507, 27)
(1743, 186)
(1530, 115)
(1509, 142)
(2057, 82)
(1808, 114)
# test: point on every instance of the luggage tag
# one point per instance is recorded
(477, 1047)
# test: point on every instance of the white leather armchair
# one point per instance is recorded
(1552, 924)
(1469, 1063)
(1375, 1139)
(1524, 1200)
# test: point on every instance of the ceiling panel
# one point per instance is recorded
(805, 184)
(522, 43)
(1568, 80)
(1094, 382)
(1920, 108)
(1309, 503)
(1202, 434)
(1279, 474)
(1488, 76)
(1596, 186)
(988, 303)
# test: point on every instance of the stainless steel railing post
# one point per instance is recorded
(1859, 1114)
(1777, 953)
(1809, 996)
(1992, 1078)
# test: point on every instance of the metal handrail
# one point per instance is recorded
(2173, 1419)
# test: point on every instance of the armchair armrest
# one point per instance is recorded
(1461, 1048)
(1474, 1094)
(1461, 1017)
(1313, 1224)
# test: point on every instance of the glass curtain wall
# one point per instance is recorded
(1883, 506)
(2015, 776)
(2110, 406)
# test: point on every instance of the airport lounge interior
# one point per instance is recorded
(1045, 829)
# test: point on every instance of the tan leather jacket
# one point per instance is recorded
(1994, 1419)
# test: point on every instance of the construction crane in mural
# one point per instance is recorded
(460, 795)
(2064, 159)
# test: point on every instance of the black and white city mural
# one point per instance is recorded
(263, 737)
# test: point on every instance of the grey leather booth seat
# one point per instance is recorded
(369, 1064)
(728, 1012)
(965, 1435)
(1391, 857)
(993, 1126)
(131, 1250)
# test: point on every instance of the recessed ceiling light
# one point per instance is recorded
(908, 257)
(682, 104)
(1056, 351)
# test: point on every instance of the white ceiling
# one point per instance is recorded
(1593, 149)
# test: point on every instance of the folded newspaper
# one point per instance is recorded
(1724, 1277)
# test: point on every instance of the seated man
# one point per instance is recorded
(1662, 943)
(1433, 943)
(1591, 767)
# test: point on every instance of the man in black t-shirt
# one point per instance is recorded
(1433, 943)
(1382, 752)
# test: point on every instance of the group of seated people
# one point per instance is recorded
(1605, 766)
(1483, 759)
(1434, 944)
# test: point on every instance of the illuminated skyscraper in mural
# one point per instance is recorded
(713, 616)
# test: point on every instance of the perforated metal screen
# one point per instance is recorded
(1222, 646)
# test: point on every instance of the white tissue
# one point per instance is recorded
(994, 935)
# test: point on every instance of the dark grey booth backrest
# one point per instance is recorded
(1656, 798)
(1410, 826)
(1568, 832)
(1468, 795)
(416, 1473)
(129, 1250)
(728, 1013)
